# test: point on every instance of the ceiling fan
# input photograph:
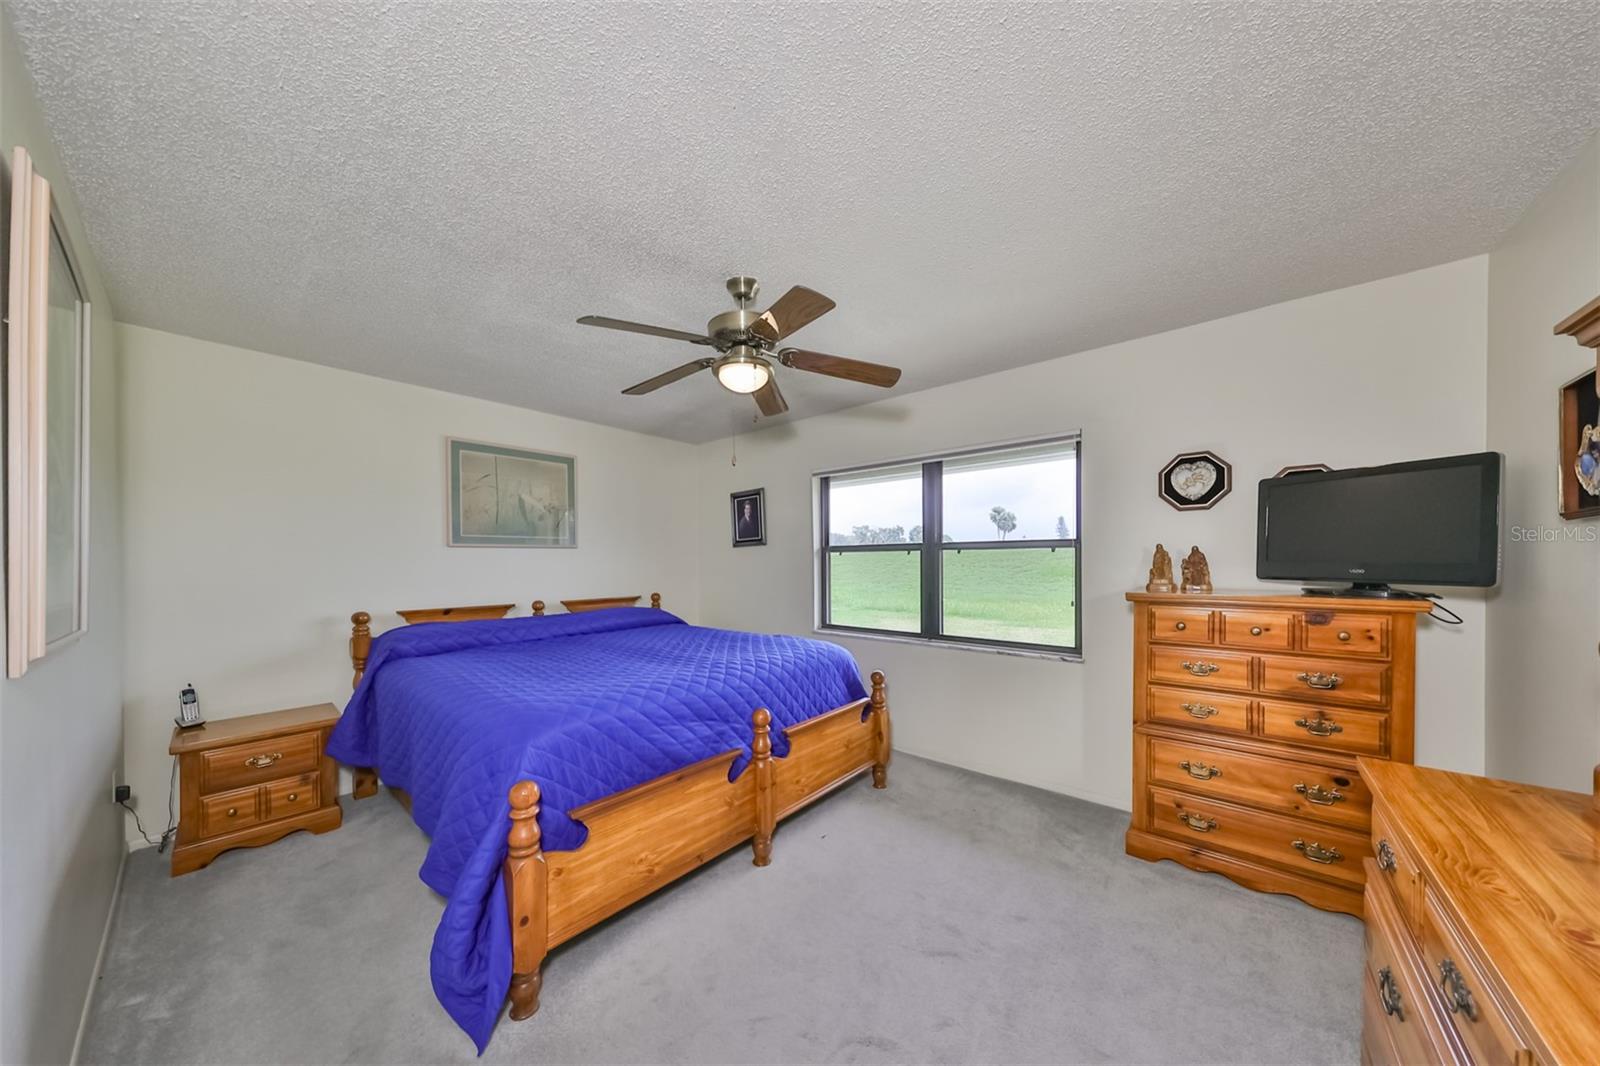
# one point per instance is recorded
(747, 345)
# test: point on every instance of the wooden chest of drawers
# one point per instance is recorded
(1483, 921)
(1248, 715)
(244, 782)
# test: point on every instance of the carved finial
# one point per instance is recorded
(761, 767)
(882, 741)
(655, 600)
(1160, 572)
(360, 644)
(524, 835)
(538, 607)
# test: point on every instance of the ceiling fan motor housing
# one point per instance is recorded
(733, 327)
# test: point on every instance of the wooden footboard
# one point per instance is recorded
(648, 836)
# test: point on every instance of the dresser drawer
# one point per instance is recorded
(1335, 633)
(1298, 789)
(1397, 1007)
(1203, 710)
(1473, 1012)
(1396, 867)
(1307, 847)
(1268, 630)
(1346, 681)
(1201, 666)
(229, 811)
(1186, 625)
(294, 796)
(257, 762)
(1325, 728)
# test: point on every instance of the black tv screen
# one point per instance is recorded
(1432, 522)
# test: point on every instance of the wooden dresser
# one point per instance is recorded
(1483, 921)
(244, 782)
(1248, 714)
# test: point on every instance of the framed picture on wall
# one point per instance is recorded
(1579, 465)
(504, 497)
(749, 517)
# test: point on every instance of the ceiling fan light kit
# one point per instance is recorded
(748, 340)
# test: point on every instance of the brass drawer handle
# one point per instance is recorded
(1389, 995)
(1200, 669)
(1200, 771)
(1320, 726)
(1458, 997)
(1198, 822)
(258, 762)
(1255, 631)
(1319, 679)
(1199, 710)
(1386, 861)
(1323, 797)
(1181, 626)
(1317, 853)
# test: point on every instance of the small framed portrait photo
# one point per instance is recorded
(749, 517)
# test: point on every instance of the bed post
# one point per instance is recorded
(655, 600)
(525, 897)
(538, 607)
(761, 766)
(880, 731)
(366, 778)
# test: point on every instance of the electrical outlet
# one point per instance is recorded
(121, 793)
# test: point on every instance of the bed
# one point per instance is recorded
(565, 766)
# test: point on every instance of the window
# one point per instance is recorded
(978, 547)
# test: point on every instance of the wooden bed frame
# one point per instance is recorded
(648, 836)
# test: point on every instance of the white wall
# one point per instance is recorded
(1543, 673)
(61, 724)
(268, 498)
(1381, 372)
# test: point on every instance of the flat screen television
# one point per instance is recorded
(1431, 522)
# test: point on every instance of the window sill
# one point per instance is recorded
(955, 645)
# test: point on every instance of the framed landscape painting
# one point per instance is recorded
(502, 497)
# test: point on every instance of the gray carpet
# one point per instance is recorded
(953, 918)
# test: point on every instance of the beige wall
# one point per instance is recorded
(1376, 373)
(61, 724)
(1544, 620)
(268, 498)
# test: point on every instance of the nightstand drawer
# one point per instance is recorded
(258, 762)
(294, 796)
(229, 811)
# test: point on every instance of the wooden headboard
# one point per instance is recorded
(361, 621)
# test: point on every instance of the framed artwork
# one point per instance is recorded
(47, 425)
(1195, 481)
(1578, 464)
(504, 497)
(1305, 468)
(749, 517)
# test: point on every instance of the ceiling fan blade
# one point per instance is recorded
(837, 366)
(639, 327)
(770, 400)
(675, 374)
(795, 308)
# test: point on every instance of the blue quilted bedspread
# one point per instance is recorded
(583, 704)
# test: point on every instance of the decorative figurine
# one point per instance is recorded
(1196, 571)
(1160, 572)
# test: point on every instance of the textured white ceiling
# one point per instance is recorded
(432, 192)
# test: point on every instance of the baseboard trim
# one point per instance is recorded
(99, 960)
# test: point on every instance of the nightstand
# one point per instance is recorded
(244, 782)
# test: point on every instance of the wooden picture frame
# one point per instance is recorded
(1579, 436)
(748, 514)
(646, 837)
(499, 496)
(48, 360)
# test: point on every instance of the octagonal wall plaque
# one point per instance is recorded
(1195, 481)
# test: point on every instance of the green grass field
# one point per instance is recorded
(1023, 595)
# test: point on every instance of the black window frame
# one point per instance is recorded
(932, 561)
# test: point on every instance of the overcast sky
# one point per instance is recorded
(1036, 492)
